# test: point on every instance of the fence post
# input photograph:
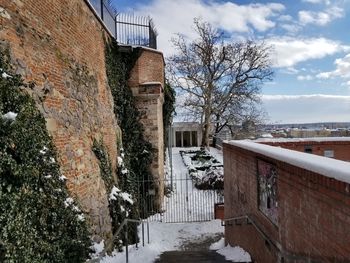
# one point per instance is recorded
(127, 243)
(143, 233)
(115, 27)
(102, 9)
(149, 34)
(148, 231)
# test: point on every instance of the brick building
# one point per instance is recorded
(286, 206)
(332, 147)
(60, 45)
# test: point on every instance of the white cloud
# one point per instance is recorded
(320, 18)
(342, 69)
(173, 17)
(305, 77)
(307, 108)
(327, 2)
(290, 51)
(285, 18)
(291, 28)
(289, 71)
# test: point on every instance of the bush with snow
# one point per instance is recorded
(39, 222)
(204, 169)
(121, 202)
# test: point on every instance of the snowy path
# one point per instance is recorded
(171, 236)
(186, 203)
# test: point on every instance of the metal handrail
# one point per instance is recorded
(120, 228)
(125, 223)
(260, 231)
(282, 253)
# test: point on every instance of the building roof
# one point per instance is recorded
(313, 139)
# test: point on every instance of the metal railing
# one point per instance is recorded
(125, 224)
(282, 254)
(250, 221)
(136, 30)
(127, 29)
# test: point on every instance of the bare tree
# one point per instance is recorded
(247, 122)
(215, 74)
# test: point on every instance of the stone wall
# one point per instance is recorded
(312, 209)
(59, 45)
(147, 84)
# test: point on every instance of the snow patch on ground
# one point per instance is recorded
(165, 237)
(235, 254)
(218, 245)
(168, 236)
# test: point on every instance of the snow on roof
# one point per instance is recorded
(266, 135)
(339, 170)
(312, 139)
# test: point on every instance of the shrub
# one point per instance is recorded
(39, 222)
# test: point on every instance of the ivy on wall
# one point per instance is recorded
(138, 151)
(168, 110)
(39, 222)
(119, 208)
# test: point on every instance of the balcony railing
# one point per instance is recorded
(125, 28)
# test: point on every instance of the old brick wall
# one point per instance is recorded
(147, 83)
(313, 211)
(341, 148)
(60, 46)
(241, 198)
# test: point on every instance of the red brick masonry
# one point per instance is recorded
(339, 145)
(313, 221)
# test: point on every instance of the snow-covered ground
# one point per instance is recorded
(167, 237)
(172, 236)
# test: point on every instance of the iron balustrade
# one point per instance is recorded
(124, 225)
(127, 29)
(283, 255)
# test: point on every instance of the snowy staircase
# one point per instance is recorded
(191, 257)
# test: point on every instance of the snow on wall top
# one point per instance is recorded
(339, 170)
(152, 83)
(312, 139)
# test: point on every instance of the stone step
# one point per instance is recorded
(191, 257)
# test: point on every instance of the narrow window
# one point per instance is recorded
(308, 149)
(194, 139)
(186, 139)
(178, 139)
(329, 153)
(267, 187)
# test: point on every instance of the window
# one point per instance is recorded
(308, 149)
(178, 139)
(194, 138)
(328, 153)
(186, 139)
(267, 187)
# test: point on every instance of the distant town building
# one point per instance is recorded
(332, 147)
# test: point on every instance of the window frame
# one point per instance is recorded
(265, 167)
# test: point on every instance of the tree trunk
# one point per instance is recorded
(217, 130)
(206, 129)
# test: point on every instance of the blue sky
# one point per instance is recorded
(311, 41)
